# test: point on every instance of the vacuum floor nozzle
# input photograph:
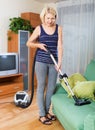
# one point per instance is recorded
(80, 102)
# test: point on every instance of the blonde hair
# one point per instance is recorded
(46, 10)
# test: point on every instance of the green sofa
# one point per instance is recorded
(74, 117)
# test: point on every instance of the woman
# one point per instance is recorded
(48, 34)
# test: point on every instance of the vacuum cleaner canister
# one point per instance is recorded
(21, 98)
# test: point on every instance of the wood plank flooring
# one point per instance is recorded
(16, 118)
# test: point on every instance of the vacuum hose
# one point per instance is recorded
(21, 98)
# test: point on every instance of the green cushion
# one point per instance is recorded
(89, 121)
(85, 89)
(90, 71)
(72, 80)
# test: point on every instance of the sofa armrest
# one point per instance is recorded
(90, 71)
(89, 122)
(59, 89)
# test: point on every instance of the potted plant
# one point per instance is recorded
(17, 23)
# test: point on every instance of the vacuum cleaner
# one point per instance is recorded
(23, 100)
(78, 101)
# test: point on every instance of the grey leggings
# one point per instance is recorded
(44, 70)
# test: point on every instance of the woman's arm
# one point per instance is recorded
(60, 47)
(33, 40)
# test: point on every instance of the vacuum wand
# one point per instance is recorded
(61, 74)
(78, 102)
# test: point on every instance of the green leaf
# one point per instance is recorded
(20, 24)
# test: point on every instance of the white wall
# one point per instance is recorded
(13, 8)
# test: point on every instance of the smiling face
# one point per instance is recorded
(48, 16)
(49, 19)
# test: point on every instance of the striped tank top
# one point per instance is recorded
(51, 41)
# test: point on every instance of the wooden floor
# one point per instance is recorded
(16, 118)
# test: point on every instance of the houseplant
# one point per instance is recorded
(17, 23)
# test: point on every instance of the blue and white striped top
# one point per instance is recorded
(51, 42)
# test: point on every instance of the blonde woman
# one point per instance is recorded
(48, 34)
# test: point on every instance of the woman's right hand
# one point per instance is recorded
(42, 46)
